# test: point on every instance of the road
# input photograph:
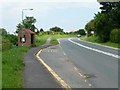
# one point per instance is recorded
(74, 59)
(103, 66)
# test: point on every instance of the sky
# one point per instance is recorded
(67, 14)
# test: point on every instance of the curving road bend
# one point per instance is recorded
(98, 62)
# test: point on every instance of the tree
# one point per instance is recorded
(28, 22)
(19, 27)
(103, 26)
(90, 27)
(107, 20)
(56, 29)
(41, 30)
(115, 15)
(113, 10)
(108, 6)
(3, 31)
(80, 31)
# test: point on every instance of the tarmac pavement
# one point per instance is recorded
(35, 74)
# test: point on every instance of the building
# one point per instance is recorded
(26, 38)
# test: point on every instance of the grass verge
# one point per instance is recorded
(12, 67)
(0, 68)
(41, 39)
(56, 36)
(0, 62)
(95, 39)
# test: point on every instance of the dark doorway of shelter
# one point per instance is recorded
(32, 38)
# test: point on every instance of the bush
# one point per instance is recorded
(115, 36)
(6, 44)
(12, 38)
(103, 26)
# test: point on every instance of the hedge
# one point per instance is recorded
(115, 36)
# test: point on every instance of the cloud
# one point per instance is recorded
(47, 12)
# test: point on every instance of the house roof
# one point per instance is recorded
(28, 30)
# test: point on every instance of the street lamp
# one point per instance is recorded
(23, 12)
(23, 38)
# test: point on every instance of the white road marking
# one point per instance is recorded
(51, 51)
(64, 53)
(90, 85)
(58, 41)
(75, 68)
(80, 74)
(106, 53)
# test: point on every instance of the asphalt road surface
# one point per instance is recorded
(98, 61)
(83, 65)
(35, 74)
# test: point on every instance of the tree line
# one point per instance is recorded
(29, 22)
(106, 24)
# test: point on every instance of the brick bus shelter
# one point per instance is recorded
(26, 37)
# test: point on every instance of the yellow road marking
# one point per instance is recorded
(62, 82)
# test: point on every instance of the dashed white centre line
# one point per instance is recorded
(106, 53)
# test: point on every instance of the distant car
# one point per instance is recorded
(78, 35)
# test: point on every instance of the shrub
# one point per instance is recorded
(6, 44)
(12, 38)
(115, 36)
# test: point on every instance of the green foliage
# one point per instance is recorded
(115, 15)
(96, 39)
(90, 27)
(81, 32)
(56, 29)
(3, 31)
(105, 21)
(12, 67)
(91, 38)
(56, 36)
(41, 39)
(6, 44)
(115, 36)
(19, 27)
(28, 22)
(103, 26)
(106, 6)
(41, 30)
(8, 41)
(12, 38)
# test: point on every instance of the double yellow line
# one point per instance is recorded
(62, 82)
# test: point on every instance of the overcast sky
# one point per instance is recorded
(67, 14)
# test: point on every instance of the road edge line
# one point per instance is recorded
(93, 49)
(62, 82)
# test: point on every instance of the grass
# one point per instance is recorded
(41, 39)
(95, 39)
(116, 45)
(0, 68)
(0, 62)
(12, 67)
(56, 36)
